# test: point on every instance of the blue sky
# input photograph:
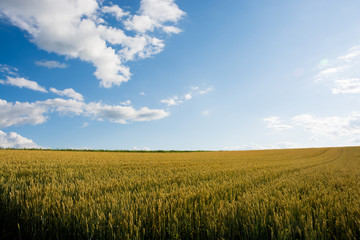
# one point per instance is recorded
(165, 74)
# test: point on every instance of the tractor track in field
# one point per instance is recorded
(263, 181)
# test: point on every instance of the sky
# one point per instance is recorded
(181, 75)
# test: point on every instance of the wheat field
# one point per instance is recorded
(268, 194)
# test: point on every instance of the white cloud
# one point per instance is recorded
(244, 147)
(341, 73)
(51, 64)
(171, 29)
(201, 92)
(281, 145)
(276, 123)
(352, 53)
(351, 85)
(187, 96)
(141, 148)
(115, 10)
(156, 14)
(69, 92)
(20, 113)
(82, 148)
(14, 140)
(330, 72)
(23, 83)
(76, 29)
(175, 100)
(84, 125)
(331, 127)
(8, 70)
(122, 114)
(172, 101)
(126, 103)
(141, 47)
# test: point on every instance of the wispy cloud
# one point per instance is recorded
(14, 140)
(341, 73)
(69, 92)
(205, 113)
(176, 100)
(276, 123)
(172, 101)
(84, 125)
(126, 103)
(201, 92)
(8, 70)
(51, 64)
(23, 83)
(78, 29)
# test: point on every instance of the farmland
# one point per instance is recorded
(282, 194)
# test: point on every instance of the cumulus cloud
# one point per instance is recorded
(156, 14)
(51, 64)
(331, 127)
(23, 83)
(176, 100)
(68, 92)
(14, 140)
(341, 73)
(141, 47)
(115, 10)
(21, 113)
(76, 29)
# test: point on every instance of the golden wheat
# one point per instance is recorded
(282, 194)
